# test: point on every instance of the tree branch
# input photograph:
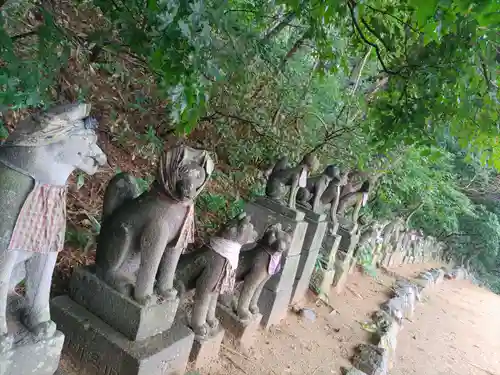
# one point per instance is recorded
(279, 27)
(253, 124)
(391, 15)
(24, 35)
(374, 45)
(374, 33)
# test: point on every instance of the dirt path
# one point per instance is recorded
(301, 347)
(456, 331)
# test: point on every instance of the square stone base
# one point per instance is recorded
(135, 321)
(206, 351)
(304, 272)
(273, 306)
(95, 348)
(321, 281)
(29, 355)
(280, 208)
(340, 278)
(244, 332)
(353, 265)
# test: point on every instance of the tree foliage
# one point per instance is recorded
(403, 89)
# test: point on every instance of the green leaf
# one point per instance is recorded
(80, 181)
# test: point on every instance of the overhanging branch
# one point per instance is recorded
(363, 37)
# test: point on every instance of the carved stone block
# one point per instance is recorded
(273, 306)
(329, 250)
(135, 321)
(321, 280)
(95, 348)
(206, 351)
(273, 302)
(316, 229)
(304, 273)
(347, 237)
(377, 254)
(28, 354)
(385, 255)
(265, 212)
(285, 279)
(280, 208)
(344, 258)
(244, 332)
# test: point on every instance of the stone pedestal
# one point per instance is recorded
(133, 320)
(275, 296)
(377, 254)
(204, 352)
(273, 306)
(345, 254)
(386, 252)
(353, 265)
(316, 229)
(323, 275)
(101, 327)
(396, 259)
(29, 355)
(243, 332)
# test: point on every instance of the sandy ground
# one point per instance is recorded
(456, 331)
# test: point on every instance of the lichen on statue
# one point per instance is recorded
(143, 235)
(35, 163)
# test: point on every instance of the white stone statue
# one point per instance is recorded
(35, 163)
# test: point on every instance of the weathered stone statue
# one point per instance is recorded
(212, 271)
(331, 196)
(35, 163)
(283, 175)
(142, 237)
(311, 195)
(256, 268)
(356, 200)
(354, 181)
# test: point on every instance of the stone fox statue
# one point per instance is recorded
(356, 200)
(211, 271)
(311, 195)
(257, 266)
(35, 163)
(142, 237)
(283, 175)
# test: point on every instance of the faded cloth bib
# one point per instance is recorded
(230, 250)
(274, 265)
(41, 223)
(186, 234)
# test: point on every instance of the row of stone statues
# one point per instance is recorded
(130, 311)
(332, 190)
